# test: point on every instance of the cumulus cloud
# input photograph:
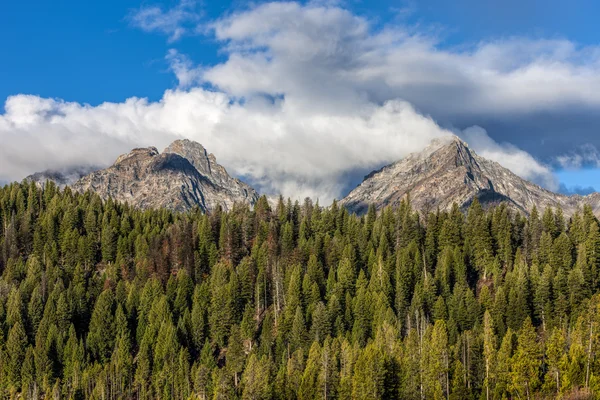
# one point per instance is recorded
(309, 98)
(276, 147)
(173, 22)
(331, 45)
(529, 92)
(186, 73)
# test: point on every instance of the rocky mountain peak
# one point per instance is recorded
(204, 162)
(137, 155)
(448, 146)
(447, 171)
(189, 149)
(183, 176)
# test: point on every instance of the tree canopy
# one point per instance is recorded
(294, 301)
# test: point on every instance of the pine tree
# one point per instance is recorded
(555, 350)
(328, 379)
(308, 384)
(459, 386)
(503, 365)
(16, 346)
(121, 356)
(489, 353)
(256, 380)
(543, 297)
(199, 315)
(223, 388)
(108, 243)
(28, 378)
(235, 354)
(526, 361)
(221, 309)
(368, 381)
(298, 334)
(101, 336)
(436, 359)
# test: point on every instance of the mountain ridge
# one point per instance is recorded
(182, 177)
(185, 175)
(448, 171)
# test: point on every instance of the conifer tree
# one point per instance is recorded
(256, 379)
(526, 361)
(101, 336)
(489, 353)
(99, 299)
(555, 350)
(368, 381)
(16, 346)
(235, 354)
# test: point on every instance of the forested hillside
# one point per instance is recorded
(101, 300)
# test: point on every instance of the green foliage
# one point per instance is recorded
(99, 300)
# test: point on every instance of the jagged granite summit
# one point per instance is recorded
(183, 176)
(448, 171)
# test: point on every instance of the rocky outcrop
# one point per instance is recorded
(183, 176)
(206, 164)
(448, 172)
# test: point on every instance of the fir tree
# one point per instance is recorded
(101, 336)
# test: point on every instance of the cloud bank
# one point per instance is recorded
(311, 97)
(277, 147)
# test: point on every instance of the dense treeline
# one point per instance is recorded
(100, 300)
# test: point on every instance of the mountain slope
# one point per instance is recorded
(184, 175)
(448, 172)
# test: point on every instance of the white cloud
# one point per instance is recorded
(276, 146)
(308, 95)
(173, 22)
(183, 68)
(333, 52)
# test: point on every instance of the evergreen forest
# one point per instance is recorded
(99, 300)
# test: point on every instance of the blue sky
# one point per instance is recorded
(582, 181)
(88, 52)
(95, 52)
(80, 51)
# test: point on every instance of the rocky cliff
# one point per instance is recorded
(448, 172)
(183, 176)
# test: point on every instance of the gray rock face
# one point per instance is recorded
(448, 172)
(179, 178)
